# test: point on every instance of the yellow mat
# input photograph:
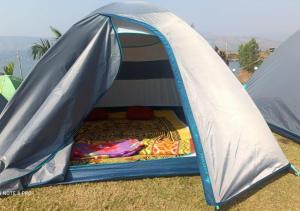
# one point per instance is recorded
(164, 136)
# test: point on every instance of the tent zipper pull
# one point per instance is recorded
(295, 170)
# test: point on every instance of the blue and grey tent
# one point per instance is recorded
(275, 87)
(126, 54)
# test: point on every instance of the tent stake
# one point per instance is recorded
(295, 170)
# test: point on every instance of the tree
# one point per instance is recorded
(57, 34)
(38, 49)
(9, 69)
(249, 55)
(222, 54)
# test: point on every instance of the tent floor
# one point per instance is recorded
(179, 166)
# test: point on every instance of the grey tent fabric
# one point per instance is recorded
(3, 102)
(275, 88)
(39, 121)
(235, 148)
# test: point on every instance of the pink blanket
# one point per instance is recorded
(122, 148)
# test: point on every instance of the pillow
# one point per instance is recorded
(139, 113)
(97, 114)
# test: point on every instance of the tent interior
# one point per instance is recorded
(140, 118)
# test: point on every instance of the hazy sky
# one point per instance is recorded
(273, 19)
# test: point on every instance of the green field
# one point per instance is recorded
(175, 193)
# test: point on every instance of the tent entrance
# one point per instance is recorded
(144, 79)
(129, 135)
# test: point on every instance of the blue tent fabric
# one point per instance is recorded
(132, 170)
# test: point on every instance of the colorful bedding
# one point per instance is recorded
(164, 136)
(122, 148)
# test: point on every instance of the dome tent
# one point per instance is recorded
(274, 88)
(176, 67)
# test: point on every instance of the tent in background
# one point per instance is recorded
(275, 88)
(9, 85)
(135, 53)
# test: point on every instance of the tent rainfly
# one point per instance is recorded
(275, 86)
(177, 67)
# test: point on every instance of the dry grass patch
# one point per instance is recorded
(176, 193)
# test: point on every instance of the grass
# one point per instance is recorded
(175, 193)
